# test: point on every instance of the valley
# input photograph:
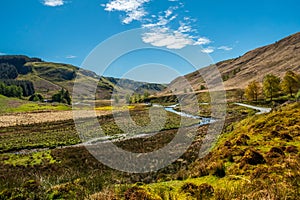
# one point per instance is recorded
(255, 154)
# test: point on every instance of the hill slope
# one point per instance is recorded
(48, 77)
(274, 59)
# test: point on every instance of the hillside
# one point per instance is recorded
(274, 59)
(48, 77)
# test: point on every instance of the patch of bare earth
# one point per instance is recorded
(41, 117)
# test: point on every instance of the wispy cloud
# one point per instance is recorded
(202, 41)
(71, 57)
(53, 3)
(163, 37)
(225, 48)
(2, 54)
(208, 50)
(166, 28)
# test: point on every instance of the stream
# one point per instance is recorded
(122, 137)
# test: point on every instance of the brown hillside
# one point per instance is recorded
(276, 58)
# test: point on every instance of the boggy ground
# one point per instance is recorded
(70, 173)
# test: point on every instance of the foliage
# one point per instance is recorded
(252, 91)
(27, 86)
(271, 85)
(240, 94)
(8, 71)
(290, 83)
(63, 96)
(19, 62)
(10, 91)
(36, 97)
(202, 87)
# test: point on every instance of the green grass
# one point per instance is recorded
(31, 159)
(13, 105)
(33, 107)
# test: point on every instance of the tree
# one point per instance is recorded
(290, 83)
(116, 98)
(252, 90)
(36, 97)
(63, 96)
(127, 98)
(146, 94)
(271, 85)
(10, 90)
(240, 94)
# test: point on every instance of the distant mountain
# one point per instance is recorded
(48, 77)
(274, 59)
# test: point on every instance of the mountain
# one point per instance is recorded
(274, 59)
(49, 77)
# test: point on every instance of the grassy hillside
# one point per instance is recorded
(257, 158)
(15, 105)
(51, 77)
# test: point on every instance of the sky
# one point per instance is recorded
(67, 31)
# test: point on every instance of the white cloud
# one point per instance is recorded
(134, 15)
(2, 54)
(133, 8)
(71, 57)
(166, 28)
(225, 48)
(54, 3)
(208, 50)
(202, 41)
(164, 37)
(168, 12)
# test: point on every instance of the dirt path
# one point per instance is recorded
(41, 117)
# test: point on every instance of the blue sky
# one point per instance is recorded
(68, 30)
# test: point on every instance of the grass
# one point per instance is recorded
(34, 107)
(56, 173)
(13, 105)
(36, 158)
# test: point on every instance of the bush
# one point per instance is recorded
(219, 170)
(204, 191)
(63, 96)
(138, 193)
(252, 157)
(36, 97)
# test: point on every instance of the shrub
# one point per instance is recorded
(252, 157)
(219, 170)
(36, 97)
(204, 191)
(138, 193)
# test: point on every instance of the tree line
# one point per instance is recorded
(27, 86)
(10, 91)
(272, 86)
